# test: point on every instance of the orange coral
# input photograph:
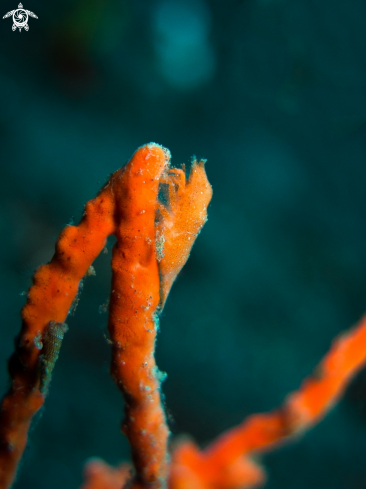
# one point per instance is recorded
(137, 282)
(153, 243)
(227, 463)
(99, 475)
(54, 288)
(132, 315)
(126, 206)
(224, 464)
(181, 220)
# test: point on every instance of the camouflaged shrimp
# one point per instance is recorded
(50, 345)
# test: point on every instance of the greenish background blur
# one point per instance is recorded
(273, 94)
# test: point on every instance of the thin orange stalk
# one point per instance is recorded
(227, 463)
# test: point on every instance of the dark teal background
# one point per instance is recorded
(273, 94)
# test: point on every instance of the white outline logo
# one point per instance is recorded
(20, 17)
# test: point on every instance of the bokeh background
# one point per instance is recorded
(272, 93)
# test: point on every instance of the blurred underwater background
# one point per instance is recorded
(273, 94)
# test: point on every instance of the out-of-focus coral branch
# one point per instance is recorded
(98, 475)
(220, 465)
(227, 463)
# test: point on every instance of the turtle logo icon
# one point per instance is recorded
(20, 18)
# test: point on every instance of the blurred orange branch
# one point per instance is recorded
(227, 463)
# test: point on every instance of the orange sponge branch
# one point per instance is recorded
(49, 300)
(139, 289)
(132, 315)
(226, 463)
(128, 207)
